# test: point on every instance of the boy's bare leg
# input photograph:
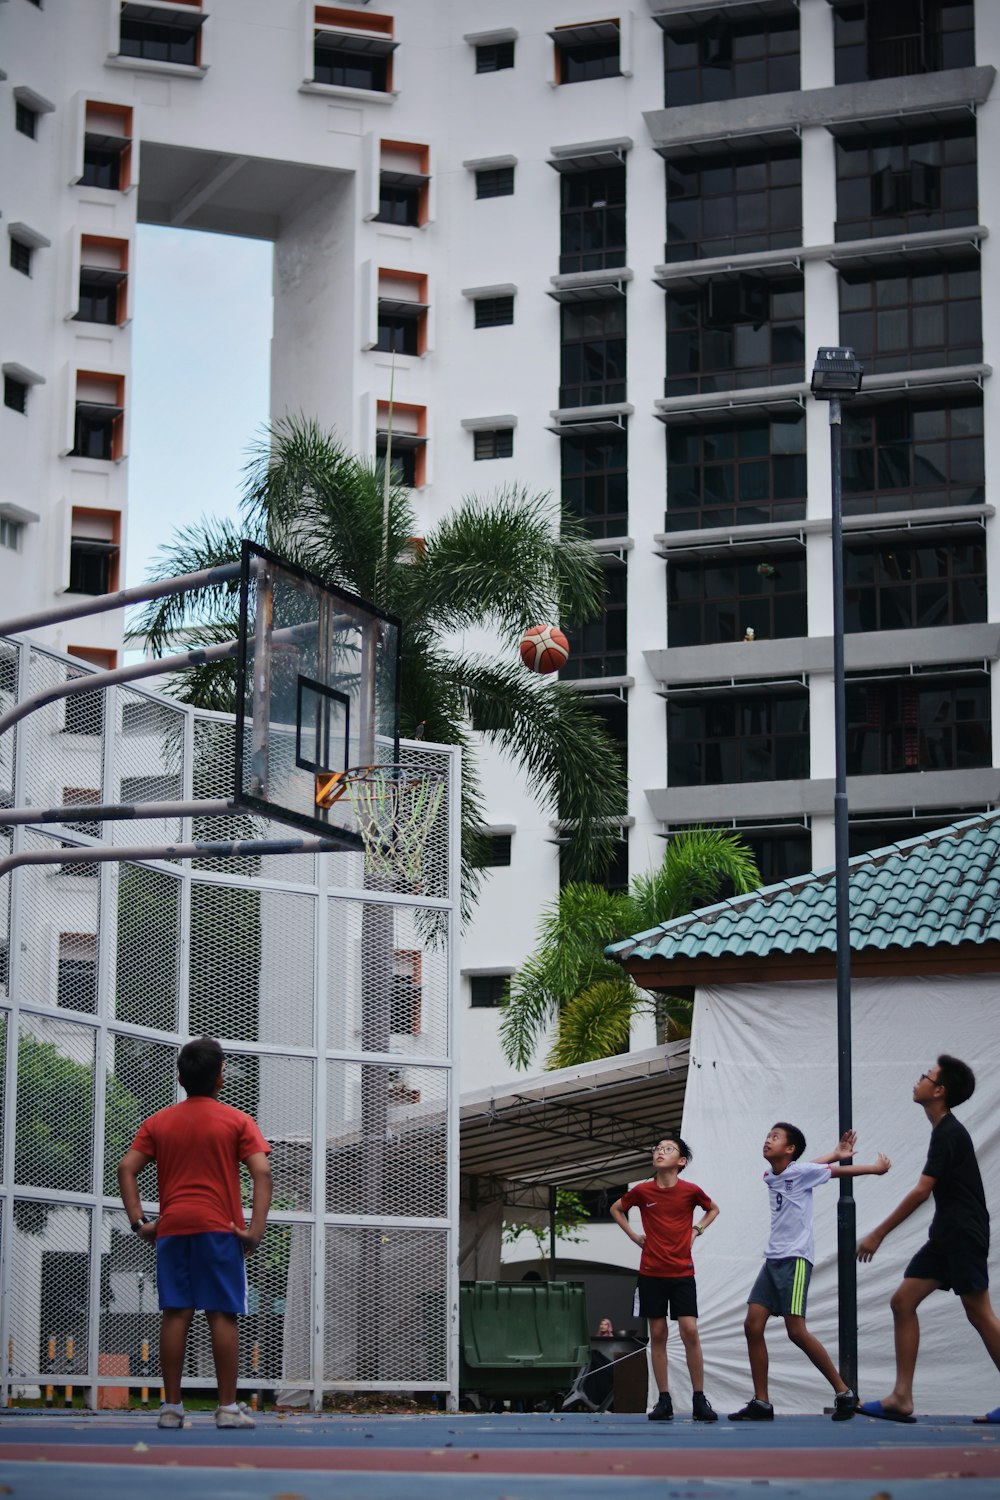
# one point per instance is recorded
(906, 1330)
(174, 1325)
(814, 1350)
(658, 1351)
(688, 1330)
(979, 1311)
(226, 1353)
(753, 1327)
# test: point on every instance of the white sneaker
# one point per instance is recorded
(241, 1417)
(170, 1416)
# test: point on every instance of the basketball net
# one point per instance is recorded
(395, 808)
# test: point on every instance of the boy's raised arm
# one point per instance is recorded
(877, 1168)
(842, 1151)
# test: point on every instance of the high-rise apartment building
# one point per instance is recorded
(602, 248)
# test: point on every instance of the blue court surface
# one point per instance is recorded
(78, 1456)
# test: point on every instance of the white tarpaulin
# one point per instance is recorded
(765, 1053)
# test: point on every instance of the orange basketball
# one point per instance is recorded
(544, 648)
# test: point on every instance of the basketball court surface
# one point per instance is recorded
(50, 1456)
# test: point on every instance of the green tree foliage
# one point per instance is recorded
(491, 567)
(568, 980)
(571, 1216)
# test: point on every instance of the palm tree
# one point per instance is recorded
(591, 998)
(499, 564)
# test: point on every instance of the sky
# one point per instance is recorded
(201, 335)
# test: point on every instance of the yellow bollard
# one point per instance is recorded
(145, 1371)
(255, 1367)
(68, 1393)
(50, 1390)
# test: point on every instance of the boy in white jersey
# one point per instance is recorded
(783, 1282)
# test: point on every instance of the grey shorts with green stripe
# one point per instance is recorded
(782, 1286)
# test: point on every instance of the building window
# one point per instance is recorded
(739, 737)
(10, 534)
(494, 57)
(865, 834)
(914, 586)
(736, 474)
(912, 317)
(102, 166)
(719, 599)
(733, 205)
(337, 64)
(15, 394)
(487, 991)
(911, 457)
(593, 353)
(398, 205)
(779, 855)
(585, 53)
(595, 483)
(397, 334)
(598, 647)
(171, 38)
(25, 119)
(107, 146)
(918, 725)
(20, 256)
(99, 295)
(874, 40)
(95, 431)
(77, 978)
(614, 878)
(496, 442)
(592, 222)
(496, 851)
(494, 312)
(94, 551)
(495, 182)
(902, 183)
(731, 60)
(735, 334)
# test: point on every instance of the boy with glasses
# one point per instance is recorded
(955, 1255)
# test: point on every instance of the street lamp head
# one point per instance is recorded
(836, 375)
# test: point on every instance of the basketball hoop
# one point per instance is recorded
(395, 807)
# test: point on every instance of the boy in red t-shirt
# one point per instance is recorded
(666, 1270)
(201, 1240)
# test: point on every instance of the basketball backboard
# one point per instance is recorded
(317, 693)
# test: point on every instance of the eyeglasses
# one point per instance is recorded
(928, 1077)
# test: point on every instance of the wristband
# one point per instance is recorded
(136, 1223)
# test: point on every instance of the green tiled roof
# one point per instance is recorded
(942, 888)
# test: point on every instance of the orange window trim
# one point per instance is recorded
(125, 111)
(329, 15)
(95, 656)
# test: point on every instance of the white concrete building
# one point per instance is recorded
(604, 248)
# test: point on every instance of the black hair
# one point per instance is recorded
(682, 1146)
(957, 1079)
(199, 1064)
(793, 1135)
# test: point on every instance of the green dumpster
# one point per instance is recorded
(521, 1339)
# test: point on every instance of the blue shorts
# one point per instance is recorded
(204, 1271)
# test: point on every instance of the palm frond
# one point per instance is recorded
(595, 1023)
(698, 865)
(208, 544)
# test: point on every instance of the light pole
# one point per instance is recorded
(836, 378)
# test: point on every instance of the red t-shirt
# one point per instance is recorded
(667, 1215)
(198, 1146)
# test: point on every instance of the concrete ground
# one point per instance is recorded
(79, 1456)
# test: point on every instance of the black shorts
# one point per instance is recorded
(961, 1270)
(667, 1296)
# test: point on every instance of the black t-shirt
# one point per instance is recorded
(960, 1212)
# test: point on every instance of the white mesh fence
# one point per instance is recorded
(332, 998)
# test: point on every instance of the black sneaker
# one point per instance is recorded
(663, 1411)
(702, 1409)
(754, 1411)
(844, 1406)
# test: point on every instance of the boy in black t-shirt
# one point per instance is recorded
(955, 1255)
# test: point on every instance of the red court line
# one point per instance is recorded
(673, 1463)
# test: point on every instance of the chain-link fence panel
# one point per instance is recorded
(252, 964)
(279, 1093)
(386, 1301)
(4, 1033)
(387, 978)
(140, 1079)
(387, 1140)
(54, 1129)
(148, 764)
(214, 775)
(61, 746)
(49, 1308)
(57, 943)
(130, 1318)
(147, 904)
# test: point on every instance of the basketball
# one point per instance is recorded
(544, 648)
